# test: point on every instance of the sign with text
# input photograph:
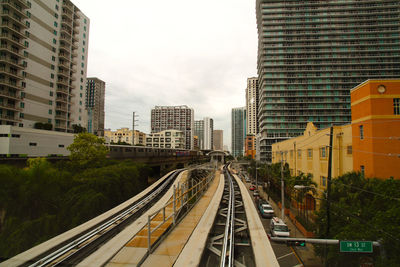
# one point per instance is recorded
(356, 246)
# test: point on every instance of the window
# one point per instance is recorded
(60, 145)
(50, 102)
(361, 127)
(55, 24)
(57, 7)
(16, 135)
(52, 67)
(309, 153)
(50, 111)
(51, 85)
(299, 153)
(349, 150)
(53, 58)
(396, 106)
(21, 115)
(54, 32)
(362, 168)
(323, 181)
(28, 14)
(33, 144)
(26, 43)
(52, 75)
(26, 54)
(56, 15)
(322, 152)
(22, 104)
(54, 41)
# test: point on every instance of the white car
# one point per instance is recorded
(279, 228)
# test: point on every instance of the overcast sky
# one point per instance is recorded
(171, 52)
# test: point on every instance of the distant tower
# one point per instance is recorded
(176, 118)
(251, 106)
(95, 95)
(238, 131)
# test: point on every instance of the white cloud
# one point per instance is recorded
(176, 52)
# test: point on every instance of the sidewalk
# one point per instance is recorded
(306, 254)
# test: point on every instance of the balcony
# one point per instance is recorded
(9, 118)
(62, 82)
(10, 61)
(11, 73)
(61, 108)
(62, 91)
(9, 95)
(62, 99)
(60, 126)
(10, 84)
(64, 56)
(10, 49)
(61, 117)
(16, 9)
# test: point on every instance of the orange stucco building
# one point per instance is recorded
(250, 146)
(375, 114)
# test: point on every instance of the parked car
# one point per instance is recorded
(252, 187)
(256, 193)
(265, 209)
(279, 228)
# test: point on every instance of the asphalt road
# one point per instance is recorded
(285, 255)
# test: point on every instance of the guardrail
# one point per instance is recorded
(184, 195)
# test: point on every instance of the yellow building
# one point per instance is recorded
(308, 153)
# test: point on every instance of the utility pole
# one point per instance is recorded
(134, 120)
(282, 189)
(328, 204)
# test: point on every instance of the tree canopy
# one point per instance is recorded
(87, 149)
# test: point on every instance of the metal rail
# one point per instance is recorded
(229, 235)
(78, 244)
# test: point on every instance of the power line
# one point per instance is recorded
(378, 194)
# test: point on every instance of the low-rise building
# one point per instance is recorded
(166, 139)
(125, 135)
(26, 142)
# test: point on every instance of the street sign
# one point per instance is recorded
(356, 246)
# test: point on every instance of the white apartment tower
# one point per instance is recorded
(95, 95)
(174, 118)
(252, 106)
(43, 62)
(203, 129)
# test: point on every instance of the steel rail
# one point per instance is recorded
(51, 259)
(228, 241)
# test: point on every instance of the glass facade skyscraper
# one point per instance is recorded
(311, 53)
(238, 131)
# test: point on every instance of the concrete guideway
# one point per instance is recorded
(55, 241)
(135, 250)
(176, 242)
(192, 252)
(263, 252)
(113, 246)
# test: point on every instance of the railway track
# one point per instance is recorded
(74, 250)
(229, 242)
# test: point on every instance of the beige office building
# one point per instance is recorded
(251, 106)
(218, 136)
(166, 139)
(125, 135)
(43, 62)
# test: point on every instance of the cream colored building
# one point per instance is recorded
(251, 106)
(309, 152)
(43, 62)
(125, 135)
(166, 139)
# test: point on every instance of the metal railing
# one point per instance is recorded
(184, 195)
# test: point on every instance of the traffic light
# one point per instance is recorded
(296, 243)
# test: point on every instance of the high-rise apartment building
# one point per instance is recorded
(95, 95)
(203, 129)
(251, 106)
(218, 140)
(43, 61)
(238, 131)
(174, 117)
(311, 53)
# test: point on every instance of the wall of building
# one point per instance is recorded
(377, 150)
(309, 152)
(166, 139)
(218, 139)
(18, 141)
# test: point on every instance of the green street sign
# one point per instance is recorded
(356, 246)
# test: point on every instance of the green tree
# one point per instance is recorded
(78, 128)
(87, 150)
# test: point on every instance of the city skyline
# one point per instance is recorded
(185, 70)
